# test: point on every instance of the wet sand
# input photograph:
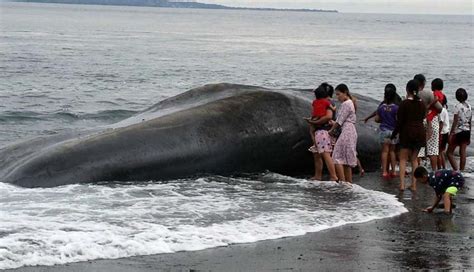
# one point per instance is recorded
(414, 240)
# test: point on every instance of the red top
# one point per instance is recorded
(320, 107)
(432, 111)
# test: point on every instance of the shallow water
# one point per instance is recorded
(73, 67)
(83, 222)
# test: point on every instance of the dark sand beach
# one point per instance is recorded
(414, 240)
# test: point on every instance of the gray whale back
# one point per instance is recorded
(220, 129)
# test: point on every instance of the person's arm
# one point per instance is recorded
(345, 111)
(435, 204)
(373, 114)
(341, 118)
(432, 103)
(398, 123)
(436, 104)
(455, 124)
(470, 123)
(438, 107)
(429, 129)
(366, 119)
(377, 118)
(321, 121)
(441, 125)
(335, 125)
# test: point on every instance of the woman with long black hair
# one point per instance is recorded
(345, 154)
(410, 116)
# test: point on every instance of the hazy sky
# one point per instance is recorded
(381, 6)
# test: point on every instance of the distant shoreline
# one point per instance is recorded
(164, 4)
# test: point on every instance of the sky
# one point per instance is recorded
(369, 6)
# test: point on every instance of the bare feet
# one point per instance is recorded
(402, 186)
(346, 183)
(428, 210)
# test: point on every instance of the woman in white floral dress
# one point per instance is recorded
(345, 154)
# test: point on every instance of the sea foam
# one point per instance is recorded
(85, 222)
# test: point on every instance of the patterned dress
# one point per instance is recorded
(443, 179)
(345, 152)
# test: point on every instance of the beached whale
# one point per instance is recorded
(220, 129)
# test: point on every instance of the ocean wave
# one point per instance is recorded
(48, 226)
(18, 116)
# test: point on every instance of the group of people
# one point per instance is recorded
(418, 127)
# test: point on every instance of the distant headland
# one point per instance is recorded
(164, 4)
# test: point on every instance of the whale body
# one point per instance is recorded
(222, 129)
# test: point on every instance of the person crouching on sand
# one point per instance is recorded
(446, 184)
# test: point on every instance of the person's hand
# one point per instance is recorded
(428, 210)
(307, 119)
(365, 120)
(429, 133)
(331, 122)
(450, 137)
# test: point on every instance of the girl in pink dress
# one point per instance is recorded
(345, 154)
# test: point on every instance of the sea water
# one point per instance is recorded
(84, 222)
(66, 67)
(79, 66)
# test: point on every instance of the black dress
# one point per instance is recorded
(410, 116)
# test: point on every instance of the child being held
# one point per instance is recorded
(446, 184)
(437, 87)
(320, 106)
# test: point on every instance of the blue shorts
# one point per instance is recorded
(384, 137)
